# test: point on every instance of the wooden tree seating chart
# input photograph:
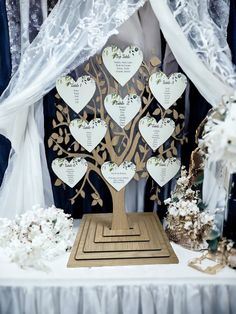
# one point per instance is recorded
(116, 130)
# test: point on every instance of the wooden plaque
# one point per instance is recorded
(150, 246)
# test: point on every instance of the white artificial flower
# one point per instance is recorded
(167, 201)
(172, 211)
(183, 181)
(36, 236)
(189, 191)
(187, 225)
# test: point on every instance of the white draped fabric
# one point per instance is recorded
(146, 289)
(124, 299)
(205, 76)
(74, 31)
(201, 49)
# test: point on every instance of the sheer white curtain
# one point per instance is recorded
(200, 47)
(74, 31)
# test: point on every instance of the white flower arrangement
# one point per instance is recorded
(219, 136)
(36, 236)
(186, 223)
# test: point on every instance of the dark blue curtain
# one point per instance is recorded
(5, 74)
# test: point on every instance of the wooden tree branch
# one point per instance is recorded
(108, 140)
(81, 188)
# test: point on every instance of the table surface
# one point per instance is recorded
(59, 275)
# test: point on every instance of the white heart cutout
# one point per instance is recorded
(70, 172)
(162, 171)
(118, 176)
(122, 65)
(76, 94)
(156, 133)
(88, 134)
(121, 110)
(167, 90)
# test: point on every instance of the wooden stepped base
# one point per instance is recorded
(98, 245)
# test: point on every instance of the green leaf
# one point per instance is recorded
(201, 205)
(199, 179)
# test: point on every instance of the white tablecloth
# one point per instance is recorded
(147, 289)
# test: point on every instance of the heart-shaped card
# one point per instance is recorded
(162, 171)
(121, 110)
(122, 65)
(76, 94)
(70, 172)
(88, 134)
(165, 89)
(156, 133)
(118, 176)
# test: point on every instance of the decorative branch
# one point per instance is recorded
(128, 147)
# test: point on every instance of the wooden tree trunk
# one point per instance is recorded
(119, 217)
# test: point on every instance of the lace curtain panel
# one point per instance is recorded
(74, 31)
(203, 53)
(204, 24)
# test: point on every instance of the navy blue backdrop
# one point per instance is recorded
(5, 74)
